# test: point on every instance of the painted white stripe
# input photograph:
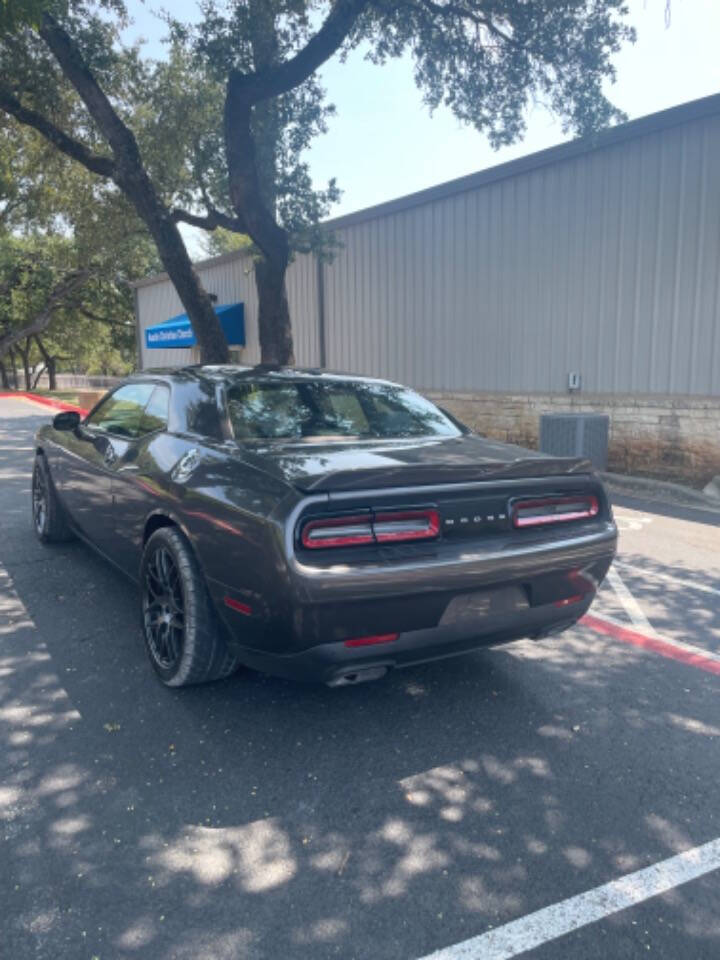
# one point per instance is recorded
(631, 606)
(653, 574)
(561, 918)
(671, 641)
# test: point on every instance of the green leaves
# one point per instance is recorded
(487, 60)
(19, 13)
(90, 323)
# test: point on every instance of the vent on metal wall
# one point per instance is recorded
(576, 435)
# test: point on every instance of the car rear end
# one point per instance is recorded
(400, 573)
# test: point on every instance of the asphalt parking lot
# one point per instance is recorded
(258, 818)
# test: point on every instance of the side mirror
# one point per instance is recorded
(67, 420)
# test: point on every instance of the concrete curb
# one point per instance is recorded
(661, 490)
(43, 401)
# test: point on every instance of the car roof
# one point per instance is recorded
(236, 373)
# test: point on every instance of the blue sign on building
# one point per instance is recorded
(177, 331)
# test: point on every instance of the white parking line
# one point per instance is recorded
(630, 605)
(561, 918)
(627, 522)
(670, 578)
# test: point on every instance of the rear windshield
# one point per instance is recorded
(332, 410)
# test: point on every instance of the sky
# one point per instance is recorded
(384, 143)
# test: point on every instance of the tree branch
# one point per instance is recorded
(291, 73)
(94, 162)
(118, 135)
(109, 320)
(211, 221)
(55, 301)
(465, 13)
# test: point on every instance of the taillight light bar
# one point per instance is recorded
(538, 513)
(406, 525)
(398, 526)
(338, 532)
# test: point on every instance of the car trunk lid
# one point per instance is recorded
(343, 467)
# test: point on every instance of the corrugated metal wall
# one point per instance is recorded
(606, 263)
(233, 280)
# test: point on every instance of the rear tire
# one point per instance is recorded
(49, 520)
(183, 635)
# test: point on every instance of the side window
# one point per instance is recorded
(156, 412)
(122, 411)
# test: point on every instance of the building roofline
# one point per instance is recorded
(198, 264)
(642, 126)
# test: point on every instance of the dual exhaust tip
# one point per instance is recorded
(353, 677)
(363, 674)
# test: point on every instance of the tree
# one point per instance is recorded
(32, 289)
(68, 247)
(253, 103)
(60, 304)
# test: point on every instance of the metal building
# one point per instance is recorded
(599, 257)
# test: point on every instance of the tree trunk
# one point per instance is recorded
(13, 367)
(139, 189)
(4, 379)
(50, 365)
(36, 378)
(194, 297)
(25, 357)
(276, 342)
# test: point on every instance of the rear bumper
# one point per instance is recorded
(336, 664)
(442, 605)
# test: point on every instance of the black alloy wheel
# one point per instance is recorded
(39, 501)
(164, 609)
(48, 516)
(184, 637)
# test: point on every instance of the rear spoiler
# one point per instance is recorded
(422, 475)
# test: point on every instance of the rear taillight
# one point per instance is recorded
(338, 532)
(406, 525)
(538, 513)
(385, 527)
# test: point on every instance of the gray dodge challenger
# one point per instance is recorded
(316, 525)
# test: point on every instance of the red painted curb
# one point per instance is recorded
(666, 648)
(45, 401)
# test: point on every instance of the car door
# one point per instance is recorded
(135, 487)
(91, 458)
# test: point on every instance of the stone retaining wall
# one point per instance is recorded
(666, 437)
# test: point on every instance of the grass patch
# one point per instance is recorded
(67, 396)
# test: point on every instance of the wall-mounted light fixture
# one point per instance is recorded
(574, 381)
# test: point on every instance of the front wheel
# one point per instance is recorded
(48, 516)
(182, 633)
